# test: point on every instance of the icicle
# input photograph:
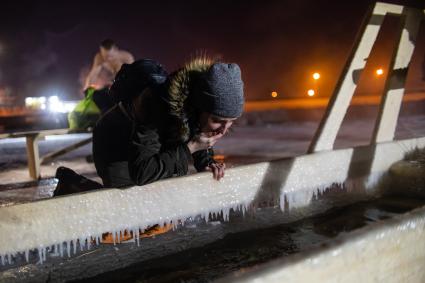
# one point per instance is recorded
(74, 243)
(27, 255)
(60, 246)
(9, 258)
(55, 249)
(2, 259)
(80, 240)
(282, 202)
(40, 255)
(44, 254)
(68, 248)
(137, 236)
(88, 242)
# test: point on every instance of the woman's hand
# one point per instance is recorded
(203, 141)
(217, 169)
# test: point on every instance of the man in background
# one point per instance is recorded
(106, 64)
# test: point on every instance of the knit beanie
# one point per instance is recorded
(219, 91)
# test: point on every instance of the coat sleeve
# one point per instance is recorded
(149, 161)
(202, 159)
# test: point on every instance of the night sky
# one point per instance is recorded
(46, 47)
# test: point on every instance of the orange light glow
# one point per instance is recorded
(274, 94)
(316, 76)
(219, 158)
(311, 92)
(379, 72)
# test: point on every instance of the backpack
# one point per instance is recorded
(132, 79)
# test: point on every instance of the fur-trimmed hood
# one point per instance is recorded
(183, 119)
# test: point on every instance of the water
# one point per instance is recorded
(244, 250)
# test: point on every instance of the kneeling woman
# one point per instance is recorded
(163, 121)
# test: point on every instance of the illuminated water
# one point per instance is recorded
(243, 250)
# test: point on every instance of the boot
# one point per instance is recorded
(71, 182)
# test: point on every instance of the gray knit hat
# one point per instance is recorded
(219, 91)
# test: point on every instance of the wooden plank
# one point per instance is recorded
(33, 156)
(48, 157)
(40, 133)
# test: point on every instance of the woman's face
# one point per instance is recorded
(213, 125)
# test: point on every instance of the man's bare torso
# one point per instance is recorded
(113, 65)
(104, 70)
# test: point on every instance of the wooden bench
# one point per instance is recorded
(33, 155)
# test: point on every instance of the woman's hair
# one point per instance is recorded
(183, 115)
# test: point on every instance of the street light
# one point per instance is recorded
(316, 76)
(274, 94)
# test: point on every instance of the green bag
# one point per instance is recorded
(85, 114)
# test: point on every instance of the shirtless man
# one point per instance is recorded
(106, 65)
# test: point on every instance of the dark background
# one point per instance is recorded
(47, 47)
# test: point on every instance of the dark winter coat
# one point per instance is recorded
(132, 148)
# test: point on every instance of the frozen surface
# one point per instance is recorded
(293, 181)
(140, 205)
(201, 252)
(244, 145)
(247, 250)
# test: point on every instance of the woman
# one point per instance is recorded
(161, 122)
(158, 125)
